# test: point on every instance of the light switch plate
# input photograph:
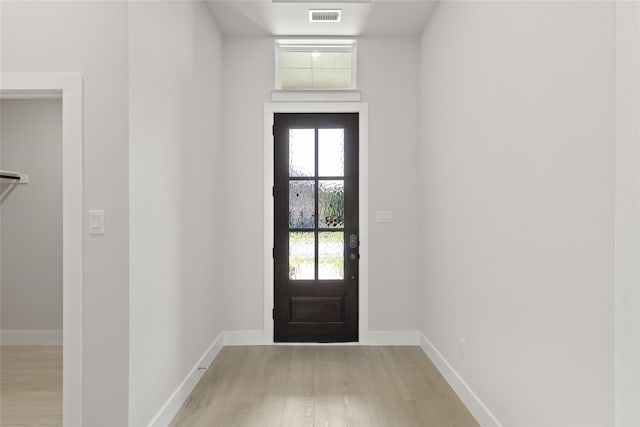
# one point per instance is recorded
(384, 216)
(96, 222)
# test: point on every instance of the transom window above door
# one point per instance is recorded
(315, 64)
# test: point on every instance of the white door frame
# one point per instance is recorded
(68, 86)
(362, 108)
(627, 217)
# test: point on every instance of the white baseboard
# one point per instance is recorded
(31, 337)
(478, 409)
(392, 338)
(174, 403)
(372, 338)
(247, 338)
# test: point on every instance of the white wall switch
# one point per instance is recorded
(384, 216)
(96, 222)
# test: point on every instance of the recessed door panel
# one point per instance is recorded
(316, 309)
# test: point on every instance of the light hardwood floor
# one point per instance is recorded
(30, 385)
(305, 386)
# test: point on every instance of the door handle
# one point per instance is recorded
(353, 256)
(353, 241)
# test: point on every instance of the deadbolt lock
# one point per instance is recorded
(353, 241)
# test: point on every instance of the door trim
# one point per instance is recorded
(362, 108)
(46, 85)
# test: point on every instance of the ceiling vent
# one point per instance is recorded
(325, 15)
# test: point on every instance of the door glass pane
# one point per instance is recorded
(331, 204)
(331, 152)
(302, 204)
(302, 152)
(302, 250)
(331, 255)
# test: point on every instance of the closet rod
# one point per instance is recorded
(10, 175)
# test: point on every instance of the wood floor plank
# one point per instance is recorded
(268, 403)
(360, 408)
(209, 393)
(431, 402)
(305, 386)
(412, 373)
(442, 411)
(392, 409)
(297, 409)
(328, 391)
(226, 391)
(30, 385)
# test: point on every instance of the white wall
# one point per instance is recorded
(248, 79)
(388, 79)
(90, 38)
(176, 197)
(517, 161)
(627, 248)
(31, 230)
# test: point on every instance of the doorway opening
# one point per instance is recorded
(310, 107)
(66, 87)
(31, 260)
(316, 227)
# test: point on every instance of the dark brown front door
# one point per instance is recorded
(316, 227)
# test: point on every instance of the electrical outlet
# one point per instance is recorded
(463, 348)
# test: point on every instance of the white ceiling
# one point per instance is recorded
(290, 18)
